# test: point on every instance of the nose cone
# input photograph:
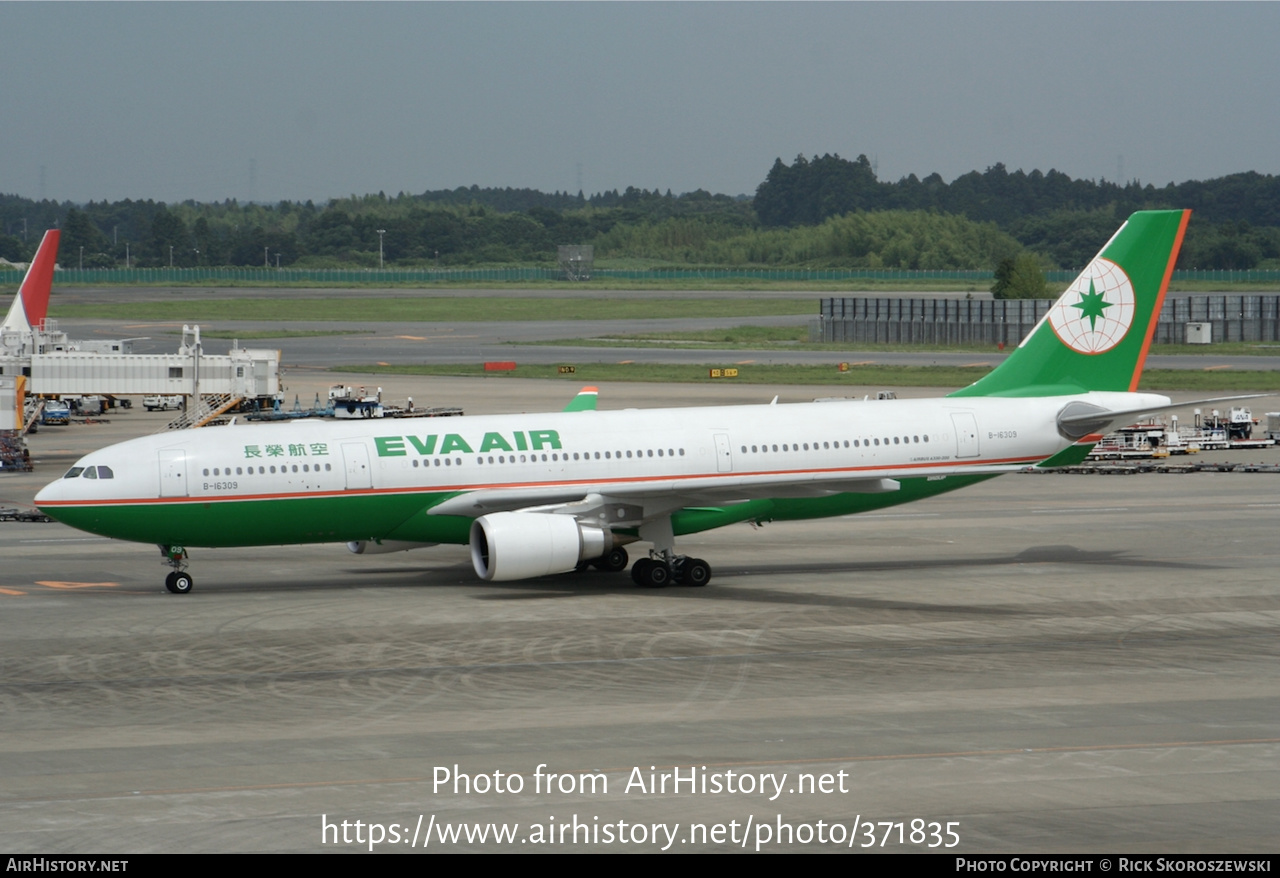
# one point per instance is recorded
(50, 494)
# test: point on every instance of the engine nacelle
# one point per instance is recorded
(383, 547)
(521, 545)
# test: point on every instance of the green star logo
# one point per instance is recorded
(1091, 305)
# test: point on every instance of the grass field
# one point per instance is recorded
(435, 309)
(797, 338)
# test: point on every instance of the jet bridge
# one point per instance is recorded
(52, 369)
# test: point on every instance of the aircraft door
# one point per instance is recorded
(356, 457)
(173, 472)
(724, 454)
(966, 434)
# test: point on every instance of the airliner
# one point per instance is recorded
(542, 494)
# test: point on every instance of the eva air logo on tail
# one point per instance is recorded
(1096, 311)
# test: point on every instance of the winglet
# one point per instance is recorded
(585, 401)
(31, 304)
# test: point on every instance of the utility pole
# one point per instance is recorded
(381, 232)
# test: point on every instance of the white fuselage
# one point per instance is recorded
(739, 450)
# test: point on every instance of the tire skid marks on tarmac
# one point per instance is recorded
(329, 674)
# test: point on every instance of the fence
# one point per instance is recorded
(377, 277)
(866, 320)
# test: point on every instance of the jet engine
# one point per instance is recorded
(521, 545)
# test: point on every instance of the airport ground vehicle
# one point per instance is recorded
(162, 403)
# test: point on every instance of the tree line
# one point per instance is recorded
(821, 212)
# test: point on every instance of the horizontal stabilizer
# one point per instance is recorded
(1080, 419)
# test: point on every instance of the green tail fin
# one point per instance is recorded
(585, 401)
(1096, 336)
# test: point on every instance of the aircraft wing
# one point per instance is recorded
(644, 501)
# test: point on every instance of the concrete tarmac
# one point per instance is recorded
(1041, 663)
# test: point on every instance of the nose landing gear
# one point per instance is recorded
(179, 581)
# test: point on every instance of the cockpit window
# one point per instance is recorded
(90, 472)
(74, 472)
(104, 472)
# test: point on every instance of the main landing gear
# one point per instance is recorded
(678, 570)
(179, 581)
(611, 562)
(664, 567)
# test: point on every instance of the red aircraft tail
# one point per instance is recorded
(38, 283)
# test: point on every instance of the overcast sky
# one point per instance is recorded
(278, 101)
